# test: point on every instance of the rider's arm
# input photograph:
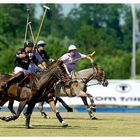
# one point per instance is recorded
(20, 54)
(42, 65)
(86, 57)
(40, 60)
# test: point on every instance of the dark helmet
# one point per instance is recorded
(28, 44)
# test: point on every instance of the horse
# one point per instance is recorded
(11, 101)
(83, 77)
(41, 85)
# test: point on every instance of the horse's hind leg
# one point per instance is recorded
(40, 108)
(10, 106)
(29, 111)
(19, 110)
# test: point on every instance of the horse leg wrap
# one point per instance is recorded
(59, 117)
(10, 118)
(93, 108)
(27, 122)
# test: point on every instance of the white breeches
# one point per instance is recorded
(18, 69)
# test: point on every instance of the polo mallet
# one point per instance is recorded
(33, 39)
(92, 53)
(26, 29)
(46, 8)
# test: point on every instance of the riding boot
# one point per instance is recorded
(16, 78)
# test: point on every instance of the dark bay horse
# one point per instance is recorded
(80, 89)
(41, 86)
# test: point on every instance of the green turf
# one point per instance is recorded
(108, 124)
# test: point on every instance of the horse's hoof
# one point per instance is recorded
(69, 109)
(2, 118)
(7, 119)
(47, 117)
(27, 127)
(94, 118)
(64, 124)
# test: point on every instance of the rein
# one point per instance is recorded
(98, 83)
(57, 75)
(90, 78)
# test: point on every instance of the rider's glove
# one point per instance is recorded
(30, 55)
(51, 60)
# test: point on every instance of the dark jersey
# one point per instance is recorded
(43, 56)
(22, 62)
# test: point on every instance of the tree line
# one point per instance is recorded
(105, 28)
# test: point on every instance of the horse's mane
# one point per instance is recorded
(46, 76)
(89, 72)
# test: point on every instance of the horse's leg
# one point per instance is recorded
(10, 106)
(40, 108)
(54, 109)
(91, 115)
(29, 111)
(93, 105)
(19, 110)
(69, 109)
(2, 102)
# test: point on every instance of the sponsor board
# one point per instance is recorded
(118, 92)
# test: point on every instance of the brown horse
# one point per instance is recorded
(41, 85)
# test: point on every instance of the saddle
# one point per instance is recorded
(13, 79)
(67, 88)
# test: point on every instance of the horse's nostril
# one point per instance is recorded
(105, 83)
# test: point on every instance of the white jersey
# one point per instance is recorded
(71, 61)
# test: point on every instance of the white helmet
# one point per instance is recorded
(40, 43)
(72, 47)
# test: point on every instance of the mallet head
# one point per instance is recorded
(46, 7)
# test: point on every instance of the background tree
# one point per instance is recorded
(106, 28)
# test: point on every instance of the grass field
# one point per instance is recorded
(108, 124)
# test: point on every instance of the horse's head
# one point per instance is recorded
(100, 75)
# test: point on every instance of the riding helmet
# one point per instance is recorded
(72, 47)
(41, 43)
(28, 44)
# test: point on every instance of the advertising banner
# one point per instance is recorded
(118, 92)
